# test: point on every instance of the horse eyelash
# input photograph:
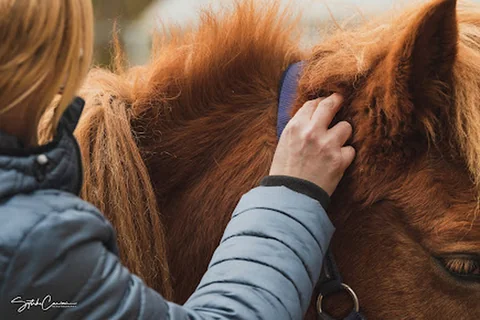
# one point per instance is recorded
(463, 266)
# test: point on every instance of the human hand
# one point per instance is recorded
(309, 150)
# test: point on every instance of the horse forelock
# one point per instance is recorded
(467, 94)
(348, 57)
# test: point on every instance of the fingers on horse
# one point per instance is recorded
(348, 154)
(300, 122)
(304, 114)
(340, 133)
(326, 111)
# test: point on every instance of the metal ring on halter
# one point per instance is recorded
(350, 291)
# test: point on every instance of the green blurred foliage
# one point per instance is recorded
(106, 13)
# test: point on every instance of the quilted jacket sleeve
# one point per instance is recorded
(265, 267)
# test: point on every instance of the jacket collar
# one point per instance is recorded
(56, 165)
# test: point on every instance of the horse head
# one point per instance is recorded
(407, 209)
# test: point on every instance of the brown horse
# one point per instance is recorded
(171, 146)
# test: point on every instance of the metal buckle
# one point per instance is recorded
(350, 291)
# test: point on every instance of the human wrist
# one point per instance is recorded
(299, 185)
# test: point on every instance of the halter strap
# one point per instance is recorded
(330, 279)
(331, 282)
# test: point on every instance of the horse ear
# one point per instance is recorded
(411, 92)
(421, 61)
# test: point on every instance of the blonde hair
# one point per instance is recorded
(46, 45)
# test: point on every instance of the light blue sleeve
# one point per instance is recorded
(266, 266)
(268, 261)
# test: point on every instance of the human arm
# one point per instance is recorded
(265, 267)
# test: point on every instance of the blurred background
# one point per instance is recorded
(136, 19)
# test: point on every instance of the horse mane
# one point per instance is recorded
(116, 179)
(191, 74)
(467, 75)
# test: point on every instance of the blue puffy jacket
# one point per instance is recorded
(58, 254)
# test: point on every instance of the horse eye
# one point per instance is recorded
(462, 267)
